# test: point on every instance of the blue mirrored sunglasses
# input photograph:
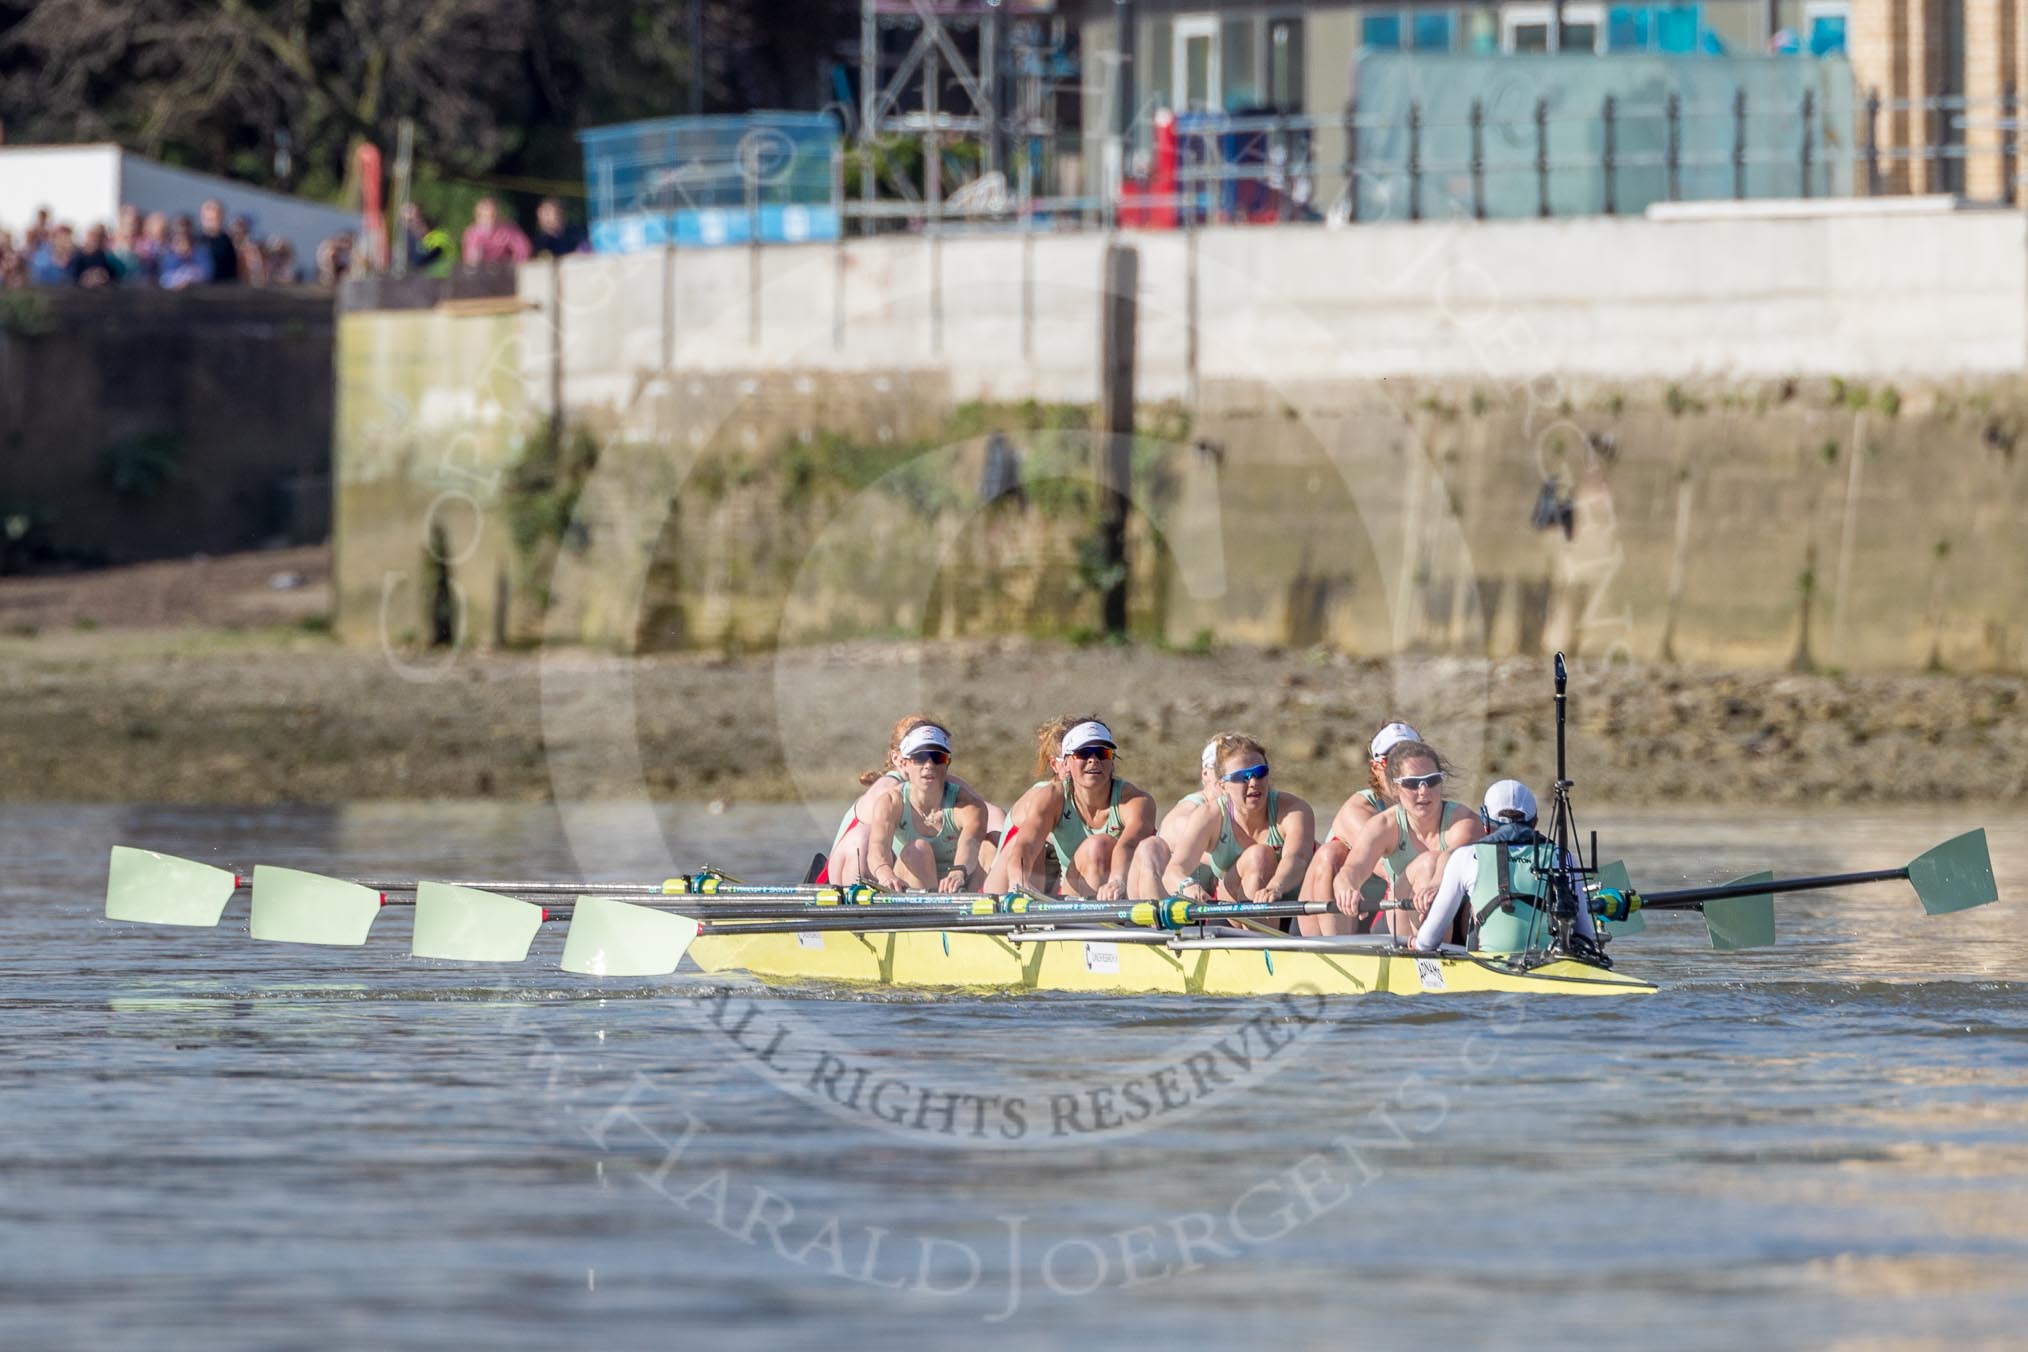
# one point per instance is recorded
(1246, 776)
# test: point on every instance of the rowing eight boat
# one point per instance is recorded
(1098, 960)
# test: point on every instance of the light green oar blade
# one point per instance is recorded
(1955, 876)
(160, 889)
(1615, 875)
(612, 938)
(1742, 922)
(467, 925)
(293, 907)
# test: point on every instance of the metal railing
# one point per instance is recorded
(1537, 160)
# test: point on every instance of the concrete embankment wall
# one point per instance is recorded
(1775, 441)
(145, 424)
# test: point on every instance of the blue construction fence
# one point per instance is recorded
(702, 181)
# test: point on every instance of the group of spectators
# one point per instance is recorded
(155, 250)
(158, 250)
(491, 238)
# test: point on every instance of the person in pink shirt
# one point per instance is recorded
(488, 239)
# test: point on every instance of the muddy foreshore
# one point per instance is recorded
(279, 715)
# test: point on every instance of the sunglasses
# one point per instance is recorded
(1246, 776)
(1093, 753)
(929, 756)
(1414, 782)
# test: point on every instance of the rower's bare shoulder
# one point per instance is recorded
(1043, 800)
(1352, 815)
(1465, 830)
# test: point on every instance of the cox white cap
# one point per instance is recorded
(1093, 733)
(922, 735)
(1510, 795)
(1390, 735)
(1210, 756)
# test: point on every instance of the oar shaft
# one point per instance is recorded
(530, 888)
(880, 918)
(1693, 896)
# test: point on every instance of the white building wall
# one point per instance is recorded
(79, 184)
(1863, 296)
(86, 186)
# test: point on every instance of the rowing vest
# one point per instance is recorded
(1509, 895)
(1071, 831)
(1225, 851)
(1374, 888)
(944, 844)
(851, 817)
(1405, 848)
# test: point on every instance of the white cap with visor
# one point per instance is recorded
(924, 735)
(1091, 733)
(1392, 735)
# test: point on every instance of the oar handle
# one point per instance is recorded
(1696, 896)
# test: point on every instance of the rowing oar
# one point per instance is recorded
(161, 889)
(1954, 876)
(608, 936)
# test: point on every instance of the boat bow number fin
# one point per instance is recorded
(160, 889)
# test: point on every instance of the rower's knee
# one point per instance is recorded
(917, 865)
(1094, 858)
(848, 858)
(1145, 876)
(1257, 864)
(1324, 866)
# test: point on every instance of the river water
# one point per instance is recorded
(213, 1142)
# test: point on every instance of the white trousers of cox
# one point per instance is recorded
(1461, 870)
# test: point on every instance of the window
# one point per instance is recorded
(1676, 28)
(1825, 21)
(1628, 28)
(1419, 29)
(1285, 64)
(1532, 28)
(1196, 58)
(1238, 66)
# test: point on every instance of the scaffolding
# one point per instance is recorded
(1005, 60)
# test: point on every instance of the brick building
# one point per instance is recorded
(1921, 57)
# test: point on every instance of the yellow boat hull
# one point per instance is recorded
(960, 959)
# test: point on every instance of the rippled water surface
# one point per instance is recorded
(214, 1142)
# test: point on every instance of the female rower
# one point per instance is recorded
(1361, 808)
(1248, 841)
(1081, 824)
(1408, 845)
(1144, 877)
(916, 826)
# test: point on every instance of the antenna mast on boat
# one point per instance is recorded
(1567, 892)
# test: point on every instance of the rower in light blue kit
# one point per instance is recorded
(916, 826)
(1248, 841)
(1505, 879)
(1076, 830)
